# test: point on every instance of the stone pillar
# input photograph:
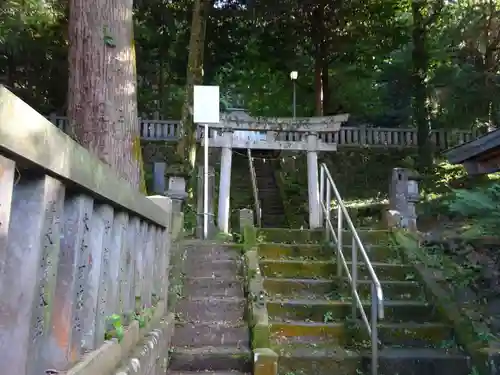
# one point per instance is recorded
(177, 192)
(403, 195)
(265, 361)
(225, 182)
(163, 244)
(159, 178)
(200, 206)
(312, 180)
(246, 218)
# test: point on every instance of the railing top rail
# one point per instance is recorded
(359, 243)
(27, 136)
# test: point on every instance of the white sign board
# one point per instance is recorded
(206, 105)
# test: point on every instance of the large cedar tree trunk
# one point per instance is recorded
(102, 96)
(186, 148)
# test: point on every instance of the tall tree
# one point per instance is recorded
(424, 14)
(186, 148)
(102, 97)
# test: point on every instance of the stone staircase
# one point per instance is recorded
(309, 310)
(273, 214)
(241, 188)
(211, 335)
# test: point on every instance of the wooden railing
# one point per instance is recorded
(355, 137)
(81, 252)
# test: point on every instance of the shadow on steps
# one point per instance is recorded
(211, 335)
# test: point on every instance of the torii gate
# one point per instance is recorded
(274, 140)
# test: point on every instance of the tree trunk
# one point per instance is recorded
(102, 95)
(325, 84)
(186, 148)
(420, 60)
(319, 52)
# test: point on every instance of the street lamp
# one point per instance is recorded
(293, 76)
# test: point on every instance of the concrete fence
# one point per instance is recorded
(83, 256)
(346, 137)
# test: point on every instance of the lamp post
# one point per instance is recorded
(293, 76)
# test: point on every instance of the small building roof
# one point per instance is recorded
(473, 149)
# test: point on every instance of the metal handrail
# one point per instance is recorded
(377, 297)
(255, 189)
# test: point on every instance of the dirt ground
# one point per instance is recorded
(476, 280)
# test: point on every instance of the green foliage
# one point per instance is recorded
(142, 314)
(480, 207)
(364, 49)
(114, 327)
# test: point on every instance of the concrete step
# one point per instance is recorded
(338, 311)
(279, 235)
(418, 361)
(209, 310)
(213, 252)
(339, 289)
(213, 287)
(219, 269)
(322, 252)
(270, 218)
(272, 212)
(328, 269)
(317, 359)
(325, 359)
(213, 359)
(410, 335)
(369, 236)
(198, 335)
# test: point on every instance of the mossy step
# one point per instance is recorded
(411, 335)
(290, 236)
(316, 359)
(328, 269)
(339, 289)
(419, 361)
(326, 310)
(326, 360)
(323, 252)
(408, 335)
(367, 236)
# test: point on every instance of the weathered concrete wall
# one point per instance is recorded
(82, 253)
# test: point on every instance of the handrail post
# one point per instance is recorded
(321, 194)
(339, 239)
(354, 275)
(374, 335)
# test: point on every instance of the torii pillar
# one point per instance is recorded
(225, 181)
(312, 180)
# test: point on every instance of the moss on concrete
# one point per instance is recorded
(290, 251)
(339, 311)
(265, 362)
(290, 236)
(328, 269)
(249, 237)
(257, 309)
(334, 331)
